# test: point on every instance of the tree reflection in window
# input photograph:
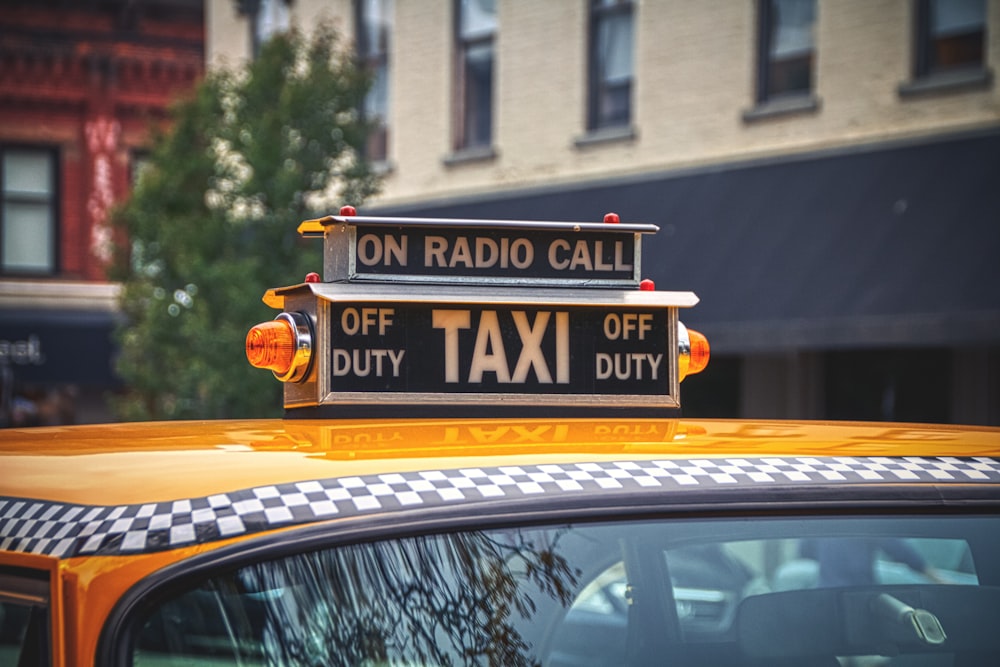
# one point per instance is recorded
(438, 600)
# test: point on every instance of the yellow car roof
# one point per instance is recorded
(129, 489)
(155, 462)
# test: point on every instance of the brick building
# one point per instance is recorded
(825, 173)
(81, 83)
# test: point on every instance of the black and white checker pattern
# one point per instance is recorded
(64, 530)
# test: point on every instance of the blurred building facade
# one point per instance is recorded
(825, 174)
(81, 84)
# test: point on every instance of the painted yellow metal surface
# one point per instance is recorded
(155, 462)
(134, 463)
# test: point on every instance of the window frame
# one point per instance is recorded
(922, 501)
(254, 13)
(928, 78)
(35, 581)
(597, 14)
(52, 200)
(377, 61)
(705, 530)
(766, 103)
(464, 146)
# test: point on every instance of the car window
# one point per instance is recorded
(699, 591)
(24, 617)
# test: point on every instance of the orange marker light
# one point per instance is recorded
(271, 345)
(693, 351)
(283, 346)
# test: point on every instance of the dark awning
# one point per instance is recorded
(55, 346)
(892, 245)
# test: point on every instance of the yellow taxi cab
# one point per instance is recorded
(482, 462)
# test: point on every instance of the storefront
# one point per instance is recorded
(56, 364)
(804, 263)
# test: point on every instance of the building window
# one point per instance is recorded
(476, 34)
(611, 68)
(28, 214)
(267, 17)
(951, 35)
(374, 29)
(139, 162)
(786, 49)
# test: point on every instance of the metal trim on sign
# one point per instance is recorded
(533, 225)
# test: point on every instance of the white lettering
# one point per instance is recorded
(22, 352)
(395, 249)
(581, 256)
(367, 320)
(434, 249)
(627, 365)
(599, 263)
(531, 351)
(102, 135)
(480, 253)
(396, 357)
(341, 362)
(451, 321)
(624, 325)
(487, 252)
(603, 370)
(645, 325)
(612, 326)
(620, 264)
(522, 253)
(628, 324)
(461, 253)
(489, 355)
(362, 363)
(562, 347)
(370, 249)
(554, 248)
(385, 319)
(352, 321)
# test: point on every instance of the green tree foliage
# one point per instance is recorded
(211, 223)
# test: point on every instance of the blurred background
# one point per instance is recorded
(825, 174)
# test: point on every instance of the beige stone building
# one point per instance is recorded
(825, 173)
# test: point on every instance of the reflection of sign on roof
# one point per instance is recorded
(487, 251)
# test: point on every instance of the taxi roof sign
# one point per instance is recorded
(515, 252)
(409, 314)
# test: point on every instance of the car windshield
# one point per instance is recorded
(750, 591)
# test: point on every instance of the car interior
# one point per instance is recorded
(743, 591)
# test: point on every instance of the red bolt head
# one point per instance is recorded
(612, 218)
(312, 277)
(348, 210)
(647, 285)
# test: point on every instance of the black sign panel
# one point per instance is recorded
(475, 348)
(504, 254)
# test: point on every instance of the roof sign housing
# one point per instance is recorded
(447, 313)
(582, 254)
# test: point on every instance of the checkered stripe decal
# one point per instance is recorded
(64, 530)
